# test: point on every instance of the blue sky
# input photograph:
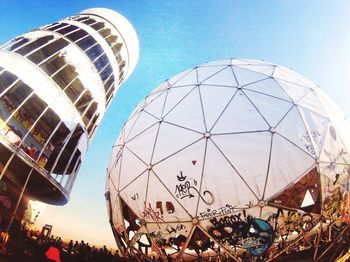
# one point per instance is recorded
(311, 37)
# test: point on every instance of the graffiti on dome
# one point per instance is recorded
(254, 234)
(225, 210)
(187, 189)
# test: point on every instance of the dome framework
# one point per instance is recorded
(234, 158)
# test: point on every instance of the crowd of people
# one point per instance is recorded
(31, 246)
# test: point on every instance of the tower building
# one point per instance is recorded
(56, 83)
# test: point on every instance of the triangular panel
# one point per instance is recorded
(172, 139)
(292, 128)
(179, 76)
(134, 194)
(269, 87)
(131, 167)
(317, 126)
(182, 172)
(232, 121)
(188, 79)
(175, 96)
(295, 91)
(304, 194)
(262, 69)
(223, 183)
(312, 102)
(161, 205)
(188, 113)
(333, 148)
(143, 144)
(288, 163)
(245, 76)
(212, 111)
(272, 109)
(223, 78)
(155, 107)
(249, 154)
(205, 72)
(144, 121)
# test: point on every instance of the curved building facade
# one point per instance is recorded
(55, 85)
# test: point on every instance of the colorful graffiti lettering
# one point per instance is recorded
(254, 234)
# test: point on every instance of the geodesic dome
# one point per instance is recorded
(233, 158)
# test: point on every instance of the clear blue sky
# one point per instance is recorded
(311, 37)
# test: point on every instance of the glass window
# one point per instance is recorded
(94, 52)
(84, 101)
(101, 62)
(27, 115)
(55, 145)
(73, 162)
(77, 35)
(57, 26)
(48, 50)
(109, 82)
(109, 92)
(68, 149)
(81, 19)
(42, 130)
(67, 29)
(98, 26)
(112, 39)
(34, 45)
(17, 44)
(53, 64)
(106, 73)
(89, 21)
(6, 79)
(65, 76)
(74, 90)
(18, 93)
(116, 48)
(109, 99)
(86, 42)
(105, 32)
(90, 113)
(91, 126)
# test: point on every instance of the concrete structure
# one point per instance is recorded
(55, 85)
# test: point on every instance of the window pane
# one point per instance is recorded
(84, 101)
(18, 44)
(53, 28)
(53, 64)
(18, 93)
(74, 90)
(89, 21)
(47, 51)
(65, 76)
(6, 79)
(98, 26)
(101, 62)
(94, 52)
(90, 113)
(77, 35)
(34, 45)
(105, 32)
(69, 148)
(86, 42)
(106, 73)
(67, 29)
